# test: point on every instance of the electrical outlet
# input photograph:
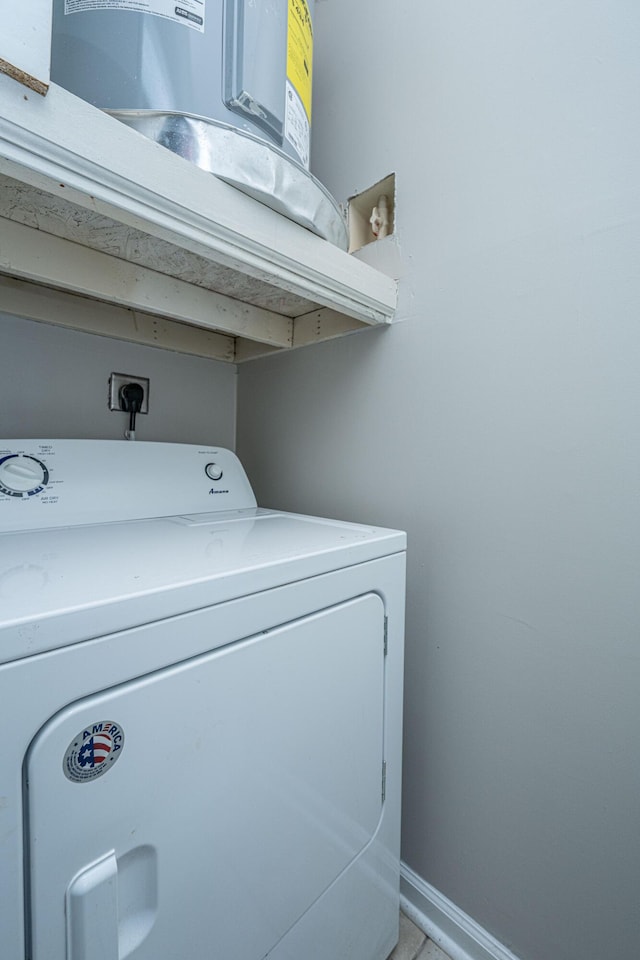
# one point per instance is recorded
(117, 380)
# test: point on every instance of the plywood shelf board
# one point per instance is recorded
(90, 207)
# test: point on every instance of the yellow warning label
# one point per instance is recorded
(300, 51)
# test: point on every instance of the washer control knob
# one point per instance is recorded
(22, 475)
(213, 471)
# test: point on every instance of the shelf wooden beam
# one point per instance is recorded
(64, 309)
(41, 258)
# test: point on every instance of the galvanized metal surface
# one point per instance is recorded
(247, 163)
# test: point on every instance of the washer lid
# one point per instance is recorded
(62, 586)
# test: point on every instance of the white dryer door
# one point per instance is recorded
(198, 811)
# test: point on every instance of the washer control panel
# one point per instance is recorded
(48, 483)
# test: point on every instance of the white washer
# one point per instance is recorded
(200, 714)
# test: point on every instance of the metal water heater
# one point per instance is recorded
(225, 84)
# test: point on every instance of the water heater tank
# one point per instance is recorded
(225, 84)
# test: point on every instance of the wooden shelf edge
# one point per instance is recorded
(47, 304)
(67, 147)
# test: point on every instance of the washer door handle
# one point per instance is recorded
(92, 911)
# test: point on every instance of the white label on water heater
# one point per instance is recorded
(296, 124)
(190, 13)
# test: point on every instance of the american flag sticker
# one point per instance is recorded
(93, 751)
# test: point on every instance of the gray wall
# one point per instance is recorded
(498, 423)
(54, 383)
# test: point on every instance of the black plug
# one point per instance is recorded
(131, 397)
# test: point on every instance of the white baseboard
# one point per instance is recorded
(456, 933)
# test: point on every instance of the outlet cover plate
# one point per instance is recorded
(117, 380)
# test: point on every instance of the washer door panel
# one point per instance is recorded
(245, 781)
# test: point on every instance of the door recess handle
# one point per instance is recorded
(92, 911)
(111, 905)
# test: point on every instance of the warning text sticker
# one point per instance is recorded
(190, 13)
(300, 51)
(296, 125)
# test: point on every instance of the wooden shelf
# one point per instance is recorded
(168, 254)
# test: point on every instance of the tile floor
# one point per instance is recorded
(414, 945)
